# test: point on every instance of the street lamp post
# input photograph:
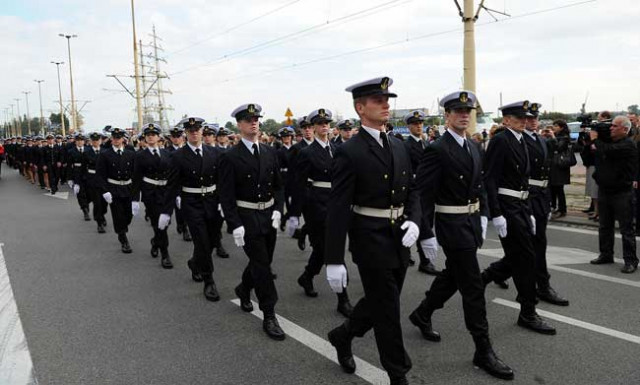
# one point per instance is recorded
(13, 122)
(136, 70)
(41, 114)
(74, 120)
(57, 63)
(26, 97)
(19, 117)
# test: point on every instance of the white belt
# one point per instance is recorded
(90, 171)
(156, 182)
(393, 213)
(119, 182)
(468, 209)
(77, 165)
(523, 195)
(284, 169)
(254, 205)
(539, 183)
(199, 190)
(319, 183)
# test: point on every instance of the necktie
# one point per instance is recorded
(535, 136)
(256, 153)
(328, 148)
(81, 150)
(465, 146)
(120, 152)
(385, 140)
(155, 153)
(422, 144)
(197, 152)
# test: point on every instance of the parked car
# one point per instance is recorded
(574, 127)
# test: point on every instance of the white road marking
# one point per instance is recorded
(572, 321)
(601, 277)
(15, 360)
(364, 370)
(60, 195)
(580, 231)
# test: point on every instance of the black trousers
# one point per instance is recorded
(41, 177)
(461, 273)
(53, 178)
(99, 204)
(519, 259)
(637, 207)
(82, 196)
(612, 207)
(558, 199)
(204, 233)
(160, 238)
(179, 218)
(316, 238)
(380, 309)
(121, 214)
(257, 275)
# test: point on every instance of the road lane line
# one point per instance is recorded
(364, 370)
(16, 366)
(572, 321)
(579, 231)
(601, 277)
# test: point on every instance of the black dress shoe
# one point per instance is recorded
(306, 282)
(211, 292)
(551, 296)
(271, 326)
(301, 242)
(245, 298)
(536, 323)
(428, 268)
(85, 211)
(345, 308)
(101, 229)
(165, 262)
(154, 250)
(629, 268)
(502, 284)
(601, 260)
(186, 235)
(126, 248)
(341, 340)
(412, 261)
(425, 327)
(197, 277)
(221, 252)
(398, 381)
(179, 229)
(485, 358)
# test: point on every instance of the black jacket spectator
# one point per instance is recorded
(616, 165)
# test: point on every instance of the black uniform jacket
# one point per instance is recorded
(152, 167)
(365, 174)
(243, 178)
(416, 150)
(188, 169)
(539, 163)
(506, 166)
(74, 165)
(313, 164)
(448, 175)
(110, 165)
(50, 156)
(89, 160)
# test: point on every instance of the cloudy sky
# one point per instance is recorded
(302, 54)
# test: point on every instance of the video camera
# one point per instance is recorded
(603, 128)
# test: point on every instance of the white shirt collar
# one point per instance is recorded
(80, 148)
(323, 144)
(375, 133)
(221, 146)
(531, 134)
(287, 147)
(308, 141)
(153, 148)
(457, 137)
(96, 149)
(115, 149)
(249, 144)
(415, 138)
(194, 148)
(518, 135)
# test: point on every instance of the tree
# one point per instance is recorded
(55, 120)
(633, 109)
(231, 127)
(555, 116)
(270, 125)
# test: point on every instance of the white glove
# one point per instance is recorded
(70, 183)
(238, 236)
(276, 218)
(220, 209)
(500, 223)
(430, 248)
(135, 208)
(412, 234)
(163, 221)
(549, 216)
(178, 202)
(533, 225)
(107, 197)
(483, 224)
(76, 189)
(337, 277)
(292, 225)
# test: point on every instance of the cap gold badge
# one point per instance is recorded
(251, 108)
(385, 83)
(464, 97)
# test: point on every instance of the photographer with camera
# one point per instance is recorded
(616, 173)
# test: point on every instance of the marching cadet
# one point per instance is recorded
(373, 199)
(222, 138)
(61, 165)
(114, 169)
(192, 187)
(177, 142)
(94, 192)
(345, 132)
(416, 145)
(252, 197)
(539, 199)
(449, 179)
(50, 159)
(150, 174)
(312, 187)
(307, 138)
(286, 136)
(209, 135)
(37, 162)
(507, 170)
(222, 143)
(77, 180)
(20, 155)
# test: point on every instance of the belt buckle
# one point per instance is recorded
(203, 190)
(394, 213)
(525, 195)
(471, 208)
(262, 205)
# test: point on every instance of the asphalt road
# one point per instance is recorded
(92, 315)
